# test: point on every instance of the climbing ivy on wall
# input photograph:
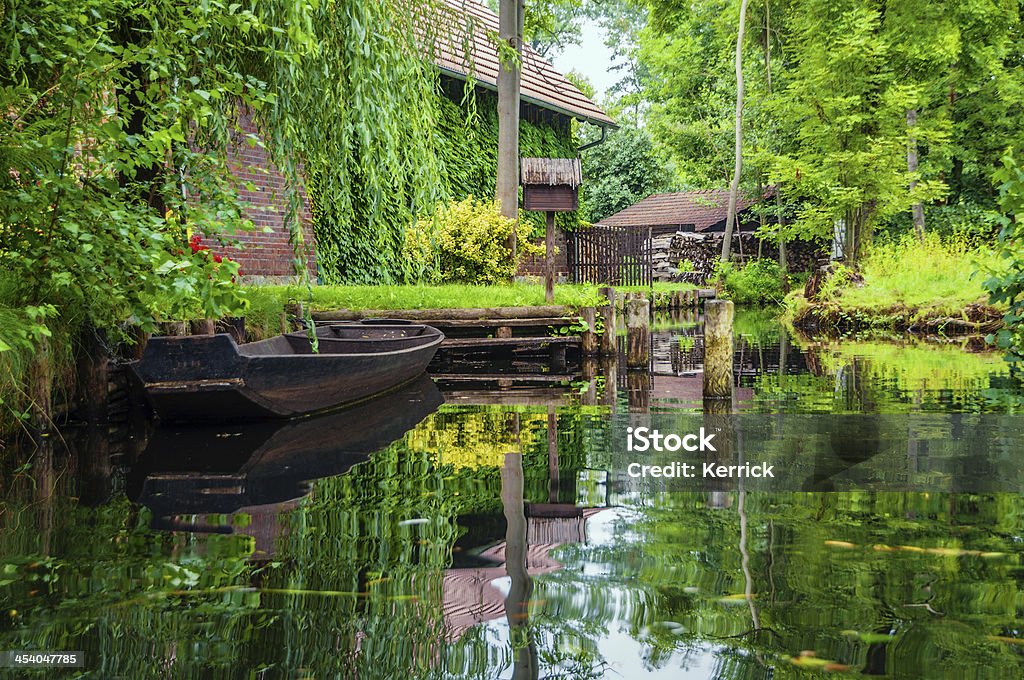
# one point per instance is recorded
(467, 145)
(369, 159)
(380, 142)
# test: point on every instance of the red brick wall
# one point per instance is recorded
(534, 266)
(265, 252)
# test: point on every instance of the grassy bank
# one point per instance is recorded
(266, 302)
(933, 286)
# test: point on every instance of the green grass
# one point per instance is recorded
(935, 275)
(904, 280)
(266, 302)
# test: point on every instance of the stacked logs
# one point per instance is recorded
(691, 257)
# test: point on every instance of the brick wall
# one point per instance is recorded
(265, 254)
(534, 266)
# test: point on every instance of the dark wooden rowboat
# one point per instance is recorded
(210, 377)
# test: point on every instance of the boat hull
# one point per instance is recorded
(210, 378)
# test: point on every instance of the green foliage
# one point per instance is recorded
(829, 126)
(1006, 285)
(466, 142)
(757, 282)
(464, 243)
(621, 171)
(963, 222)
(366, 132)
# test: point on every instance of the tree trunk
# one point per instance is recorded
(730, 221)
(510, 34)
(918, 208)
(780, 218)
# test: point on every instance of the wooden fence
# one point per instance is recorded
(616, 256)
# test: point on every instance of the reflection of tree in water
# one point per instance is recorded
(825, 574)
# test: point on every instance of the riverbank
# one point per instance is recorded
(930, 287)
(266, 302)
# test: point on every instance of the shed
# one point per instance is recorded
(551, 184)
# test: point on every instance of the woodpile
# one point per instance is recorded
(690, 257)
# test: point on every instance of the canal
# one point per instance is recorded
(468, 533)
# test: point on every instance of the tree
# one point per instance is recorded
(623, 170)
(510, 41)
(734, 188)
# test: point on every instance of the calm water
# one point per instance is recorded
(481, 539)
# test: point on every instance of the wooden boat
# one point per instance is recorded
(210, 377)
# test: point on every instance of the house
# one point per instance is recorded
(702, 211)
(549, 103)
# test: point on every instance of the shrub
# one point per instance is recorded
(1006, 282)
(757, 282)
(464, 242)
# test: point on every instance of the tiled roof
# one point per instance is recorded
(702, 209)
(473, 26)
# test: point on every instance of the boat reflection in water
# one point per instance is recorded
(263, 468)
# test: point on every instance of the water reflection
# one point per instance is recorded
(492, 536)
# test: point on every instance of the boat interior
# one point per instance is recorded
(345, 339)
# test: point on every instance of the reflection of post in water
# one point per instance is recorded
(553, 480)
(610, 371)
(92, 457)
(638, 386)
(44, 479)
(717, 420)
(589, 370)
(741, 509)
(521, 588)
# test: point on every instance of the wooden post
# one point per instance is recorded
(203, 327)
(638, 334)
(608, 347)
(549, 259)
(589, 316)
(40, 388)
(718, 349)
(174, 328)
(510, 32)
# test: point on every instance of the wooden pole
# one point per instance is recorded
(204, 327)
(718, 349)
(510, 35)
(608, 346)
(638, 333)
(589, 338)
(549, 259)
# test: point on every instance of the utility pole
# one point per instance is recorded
(510, 52)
